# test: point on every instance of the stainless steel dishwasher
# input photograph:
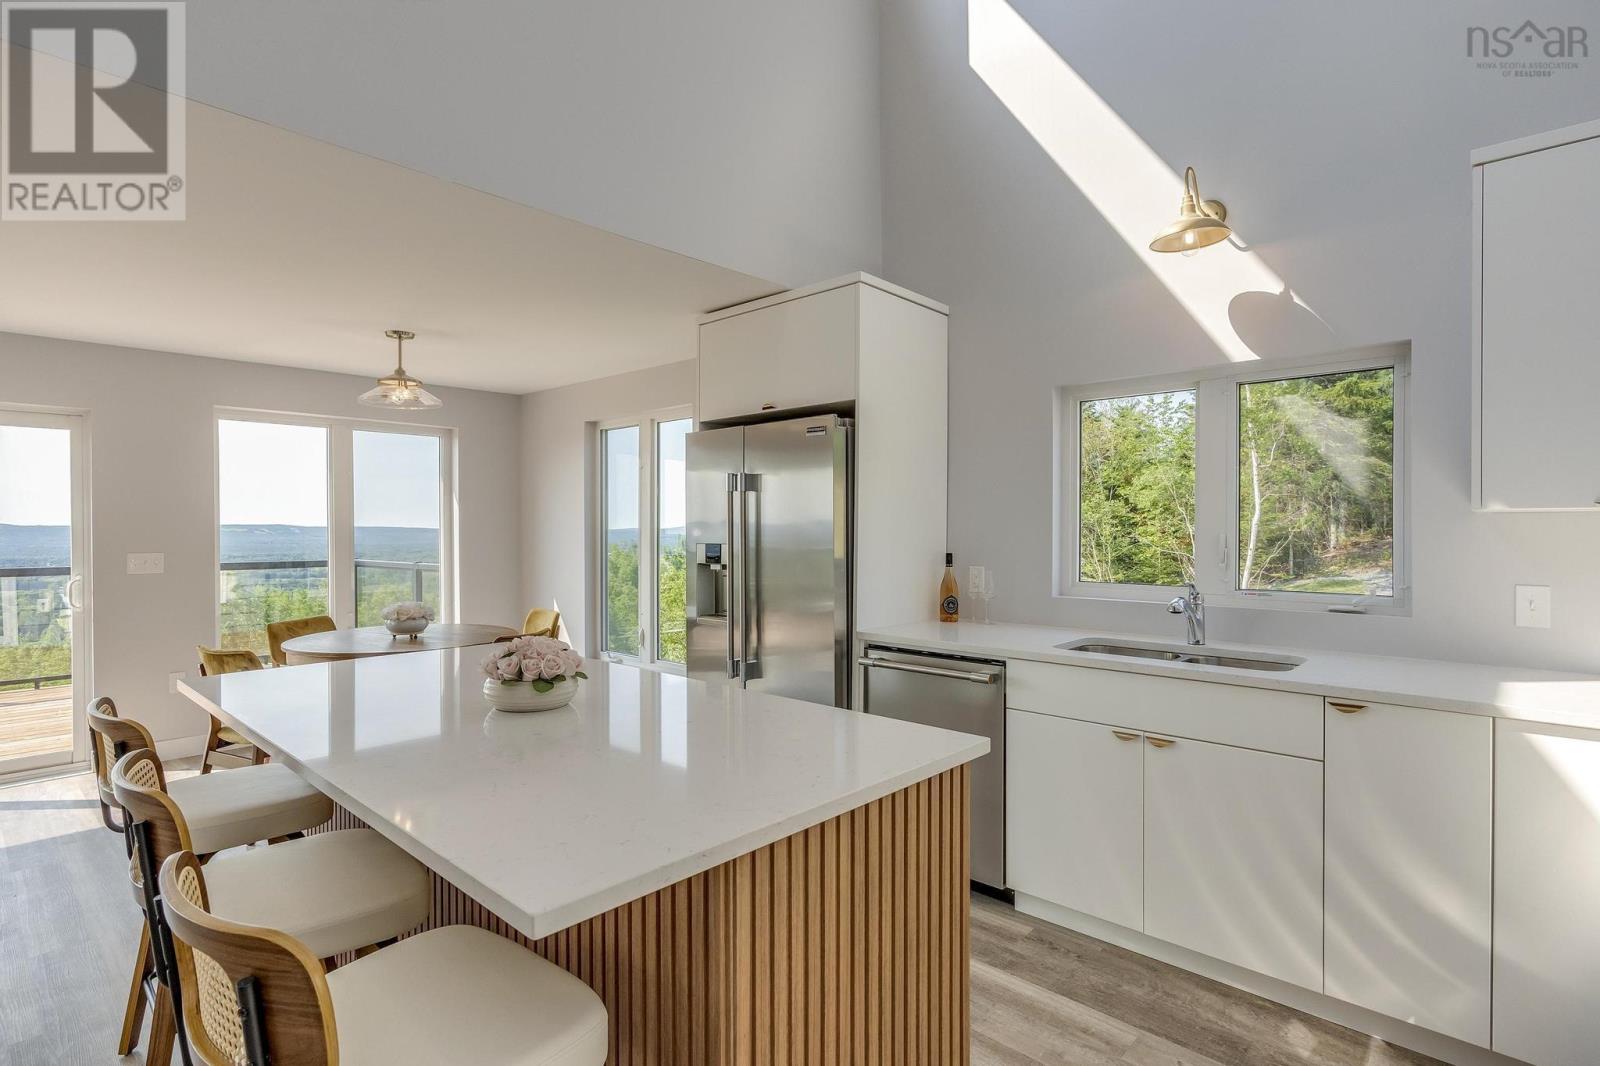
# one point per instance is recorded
(969, 696)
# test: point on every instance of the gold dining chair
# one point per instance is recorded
(542, 622)
(254, 994)
(221, 738)
(288, 629)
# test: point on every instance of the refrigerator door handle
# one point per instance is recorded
(750, 561)
(730, 575)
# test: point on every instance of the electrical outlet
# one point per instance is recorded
(173, 679)
(1533, 606)
(147, 563)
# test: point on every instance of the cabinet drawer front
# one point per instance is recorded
(1286, 722)
(1075, 815)
(1233, 856)
(1546, 888)
(1408, 864)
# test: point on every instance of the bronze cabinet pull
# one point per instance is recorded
(1120, 735)
(1160, 742)
(1346, 708)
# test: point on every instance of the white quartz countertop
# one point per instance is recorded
(1501, 691)
(549, 819)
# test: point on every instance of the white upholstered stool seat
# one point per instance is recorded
(247, 804)
(333, 891)
(463, 995)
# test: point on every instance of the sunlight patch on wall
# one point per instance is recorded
(1135, 191)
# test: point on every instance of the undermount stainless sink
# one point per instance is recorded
(1197, 655)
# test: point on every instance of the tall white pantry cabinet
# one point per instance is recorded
(861, 344)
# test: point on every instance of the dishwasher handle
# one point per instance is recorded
(977, 677)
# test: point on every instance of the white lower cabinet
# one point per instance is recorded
(1233, 856)
(1409, 844)
(1075, 815)
(1547, 893)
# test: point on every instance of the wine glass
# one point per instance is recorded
(984, 591)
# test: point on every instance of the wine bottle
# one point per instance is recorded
(949, 601)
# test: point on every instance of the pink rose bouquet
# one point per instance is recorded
(542, 660)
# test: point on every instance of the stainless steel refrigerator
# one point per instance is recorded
(767, 603)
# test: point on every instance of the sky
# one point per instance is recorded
(278, 474)
(35, 476)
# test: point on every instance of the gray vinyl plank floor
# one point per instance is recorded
(1041, 996)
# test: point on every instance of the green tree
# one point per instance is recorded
(622, 598)
(1136, 489)
(669, 603)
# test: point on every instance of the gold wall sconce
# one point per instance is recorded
(1200, 222)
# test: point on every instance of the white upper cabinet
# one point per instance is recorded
(794, 353)
(1409, 838)
(1546, 893)
(1536, 323)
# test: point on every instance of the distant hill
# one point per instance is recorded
(630, 537)
(35, 545)
(252, 543)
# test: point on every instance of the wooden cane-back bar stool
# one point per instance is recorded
(454, 995)
(225, 811)
(336, 892)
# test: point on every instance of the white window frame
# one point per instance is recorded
(648, 424)
(341, 505)
(1217, 483)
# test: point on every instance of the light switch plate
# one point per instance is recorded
(147, 563)
(1533, 606)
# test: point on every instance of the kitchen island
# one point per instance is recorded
(740, 877)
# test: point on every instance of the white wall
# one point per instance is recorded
(151, 460)
(558, 482)
(741, 132)
(1338, 135)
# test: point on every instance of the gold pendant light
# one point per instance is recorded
(400, 391)
(1200, 222)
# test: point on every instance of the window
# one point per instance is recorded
(671, 440)
(322, 517)
(272, 527)
(1281, 488)
(621, 447)
(640, 581)
(1316, 484)
(397, 521)
(1136, 489)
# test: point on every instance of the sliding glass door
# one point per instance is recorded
(328, 517)
(43, 616)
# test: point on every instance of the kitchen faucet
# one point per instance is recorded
(1193, 608)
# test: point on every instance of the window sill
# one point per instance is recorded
(1153, 596)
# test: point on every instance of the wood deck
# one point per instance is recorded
(35, 722)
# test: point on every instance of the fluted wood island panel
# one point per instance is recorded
(843, 944)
